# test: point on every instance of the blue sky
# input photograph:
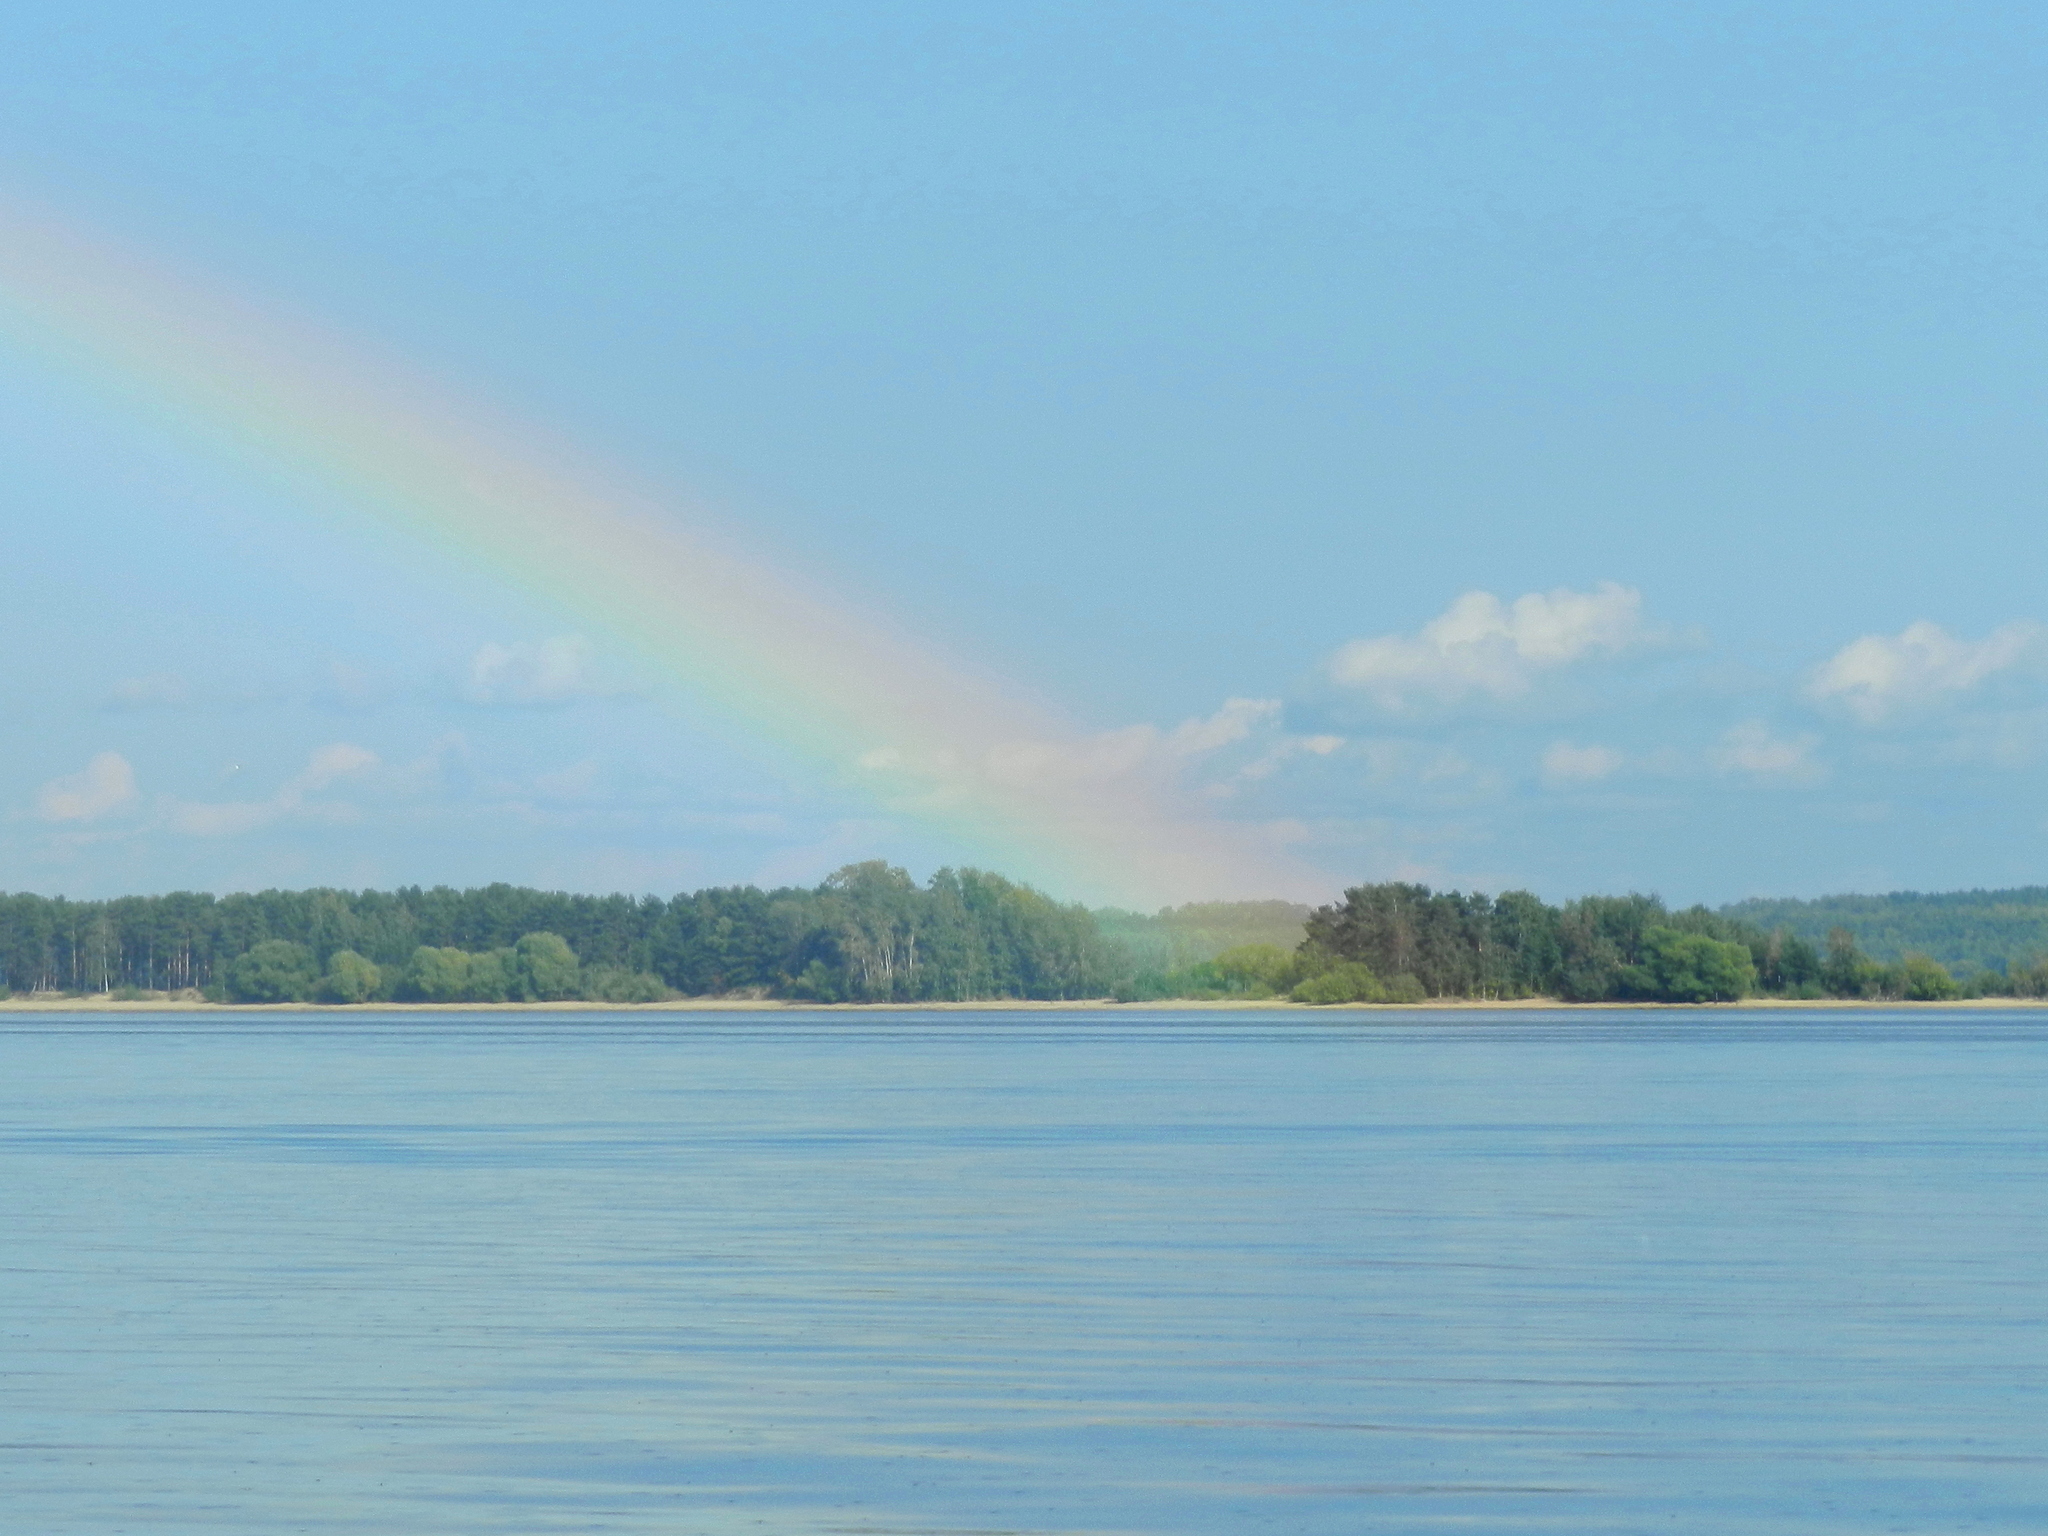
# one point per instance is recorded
(1569, 446)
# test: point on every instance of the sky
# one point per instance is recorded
(1203, 450)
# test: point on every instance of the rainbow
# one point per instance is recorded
(1007, 783)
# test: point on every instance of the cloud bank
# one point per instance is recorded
(1882, 676)
(1480, 645)
(104, 787)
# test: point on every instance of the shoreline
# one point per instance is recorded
(167, 1004)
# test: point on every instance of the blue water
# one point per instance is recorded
(1092, 1272)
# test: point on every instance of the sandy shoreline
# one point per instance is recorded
(994, 1005)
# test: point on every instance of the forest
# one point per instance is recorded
(1967, 931)
(870, 933)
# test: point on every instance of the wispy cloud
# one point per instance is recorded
(325, 768)
(1244, 741)
(1752, 749)
(1881, 676)
(1131, 752)
(104, 787)
(555, 671)
(1480, 645)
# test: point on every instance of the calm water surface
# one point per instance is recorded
(1159, 1272)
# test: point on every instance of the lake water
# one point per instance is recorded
(1128, 1271)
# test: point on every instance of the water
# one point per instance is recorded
(1099, 1272)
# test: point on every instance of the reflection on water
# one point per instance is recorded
(1136, 1271)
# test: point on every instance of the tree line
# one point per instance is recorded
(871, 934)
(1967, 931)
(1400, 942)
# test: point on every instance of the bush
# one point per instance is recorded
(1348, 982)
(1926, 980)
(546, 967)
(1691, 968)
(818, 985)
(437, 975)
(275, 971)
(1255, 969)
(1405, 989)
(350, 978)
(608, 984)
(493, 977)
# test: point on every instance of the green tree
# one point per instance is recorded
(1927, 980)
(493, 977)
(1403, 989)
(274, 971)
(1692, 968)
(1845, 973)
(437, 974)
(350, 978)
(1255, 969)
(546, 967)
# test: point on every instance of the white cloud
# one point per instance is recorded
(1269, 762)
(1133, 751)
(1564, 763)
(1481, 645)
(1141, 752)
(553, 672)
(326, 767)
(1234, 722)
(104, 787)
(1751, 748)
(1880, 675)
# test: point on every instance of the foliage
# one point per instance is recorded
(350, 978)
(870, 933)
(1345, 982)
(1252, 970)
(1175, 940)
(544, 968)
(1925, 980)
(1690, 968)
(1965, 931)
(1597, 948)
(274, 971)
(437, 974)
(607, 984)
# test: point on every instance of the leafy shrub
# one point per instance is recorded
(609, 984)
(819, 983)
(1348, 982)
(1405, 988)
(275, 971)
(1926, 980)
(436, 975)
(350, 978)
(546, 967)
(1253, 969)
(1690, 968)
(493, 977)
